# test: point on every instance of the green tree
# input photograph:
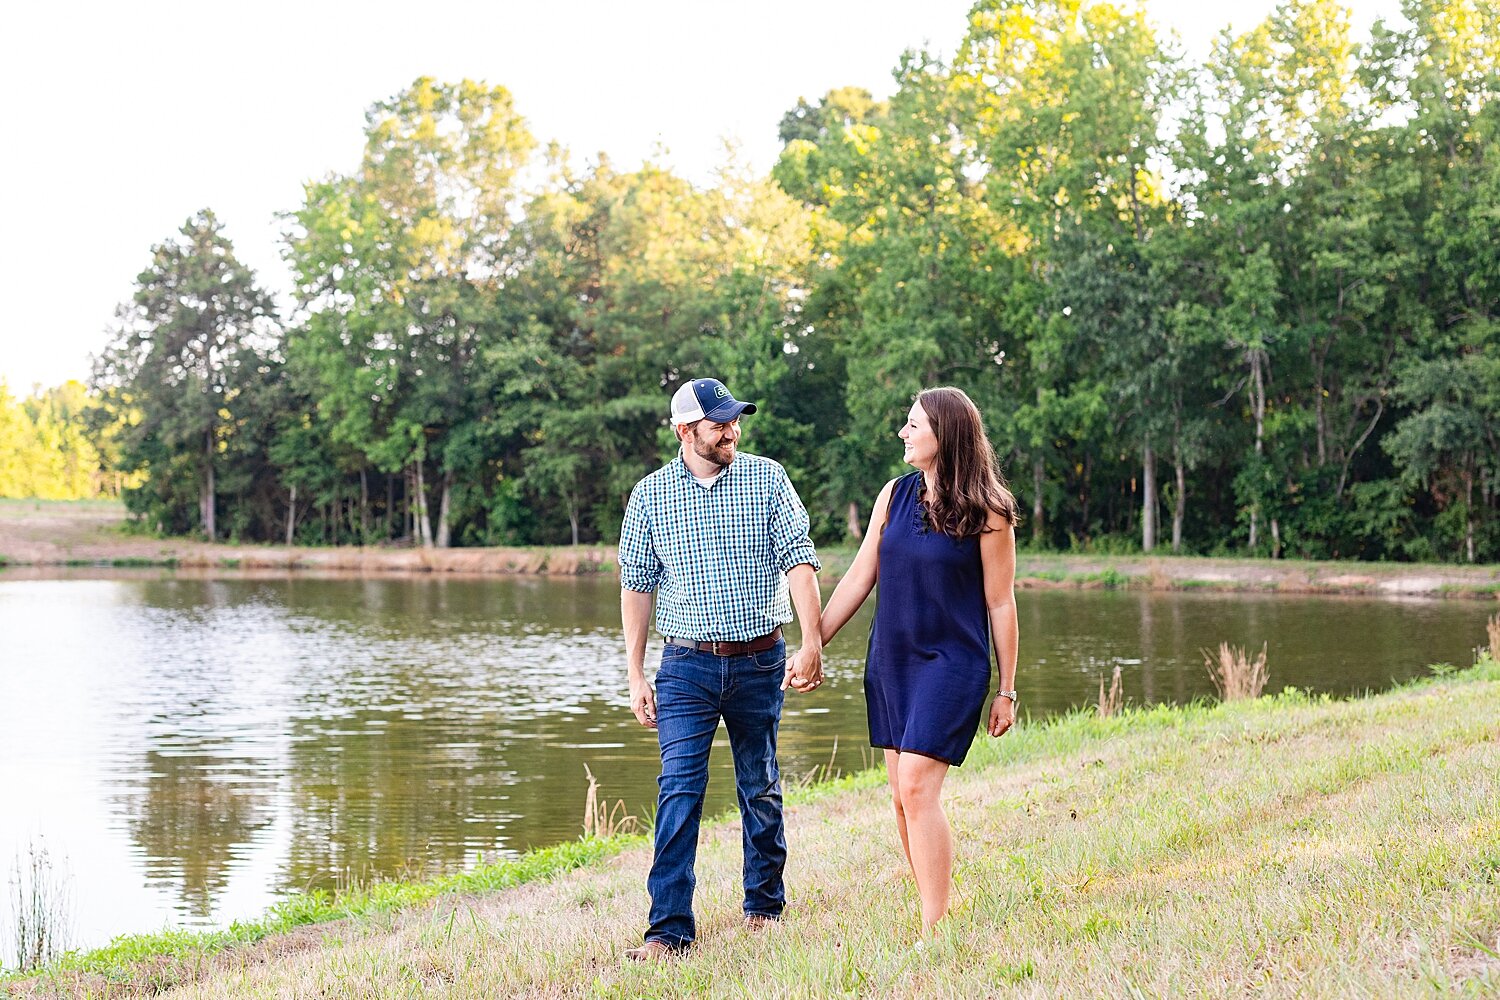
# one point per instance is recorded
(399, 268)
(190, 344)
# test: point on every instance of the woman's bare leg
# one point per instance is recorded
(925, 831)
(892, 775)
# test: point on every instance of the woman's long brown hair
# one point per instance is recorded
(966, 478)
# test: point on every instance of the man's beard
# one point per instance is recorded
(713, 453)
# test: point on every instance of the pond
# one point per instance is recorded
(189, 749)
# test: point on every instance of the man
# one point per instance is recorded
(721, 539)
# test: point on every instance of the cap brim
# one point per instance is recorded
(727, 411)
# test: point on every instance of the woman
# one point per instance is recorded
(941, 543)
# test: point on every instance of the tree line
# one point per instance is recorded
(1239, 306)
(54, 447)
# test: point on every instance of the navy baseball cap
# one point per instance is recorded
(706, 399)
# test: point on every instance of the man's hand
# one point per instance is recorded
(804, 671)
(642, 701)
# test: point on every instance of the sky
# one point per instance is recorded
(127, 118)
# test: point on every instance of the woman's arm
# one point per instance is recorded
(860, 580)
(997, 551)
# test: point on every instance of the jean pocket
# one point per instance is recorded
(771, 659)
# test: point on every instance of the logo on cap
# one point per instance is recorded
(706, 399)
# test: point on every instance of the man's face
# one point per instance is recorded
(714, 442)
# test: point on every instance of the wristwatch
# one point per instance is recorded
(1008, 694)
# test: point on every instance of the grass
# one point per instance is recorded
(40, 907)
(1111, 702)
(1287, 846)
(171, 954)
(1234, 673)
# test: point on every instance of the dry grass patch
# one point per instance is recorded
(1113, 700)
(1235, 674)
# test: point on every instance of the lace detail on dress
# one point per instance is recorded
(921, 522)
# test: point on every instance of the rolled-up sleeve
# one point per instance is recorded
(640, 567)
(789, 525)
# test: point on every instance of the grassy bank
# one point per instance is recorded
(1287, 847)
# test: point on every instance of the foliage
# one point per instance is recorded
(1247, 306)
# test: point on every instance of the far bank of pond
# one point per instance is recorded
(36, 537)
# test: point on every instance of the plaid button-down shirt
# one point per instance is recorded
(718, 557)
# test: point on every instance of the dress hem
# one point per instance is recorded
(921, 753)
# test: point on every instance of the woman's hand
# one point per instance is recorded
(1002, 715)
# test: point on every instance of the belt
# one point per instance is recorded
(730, 647)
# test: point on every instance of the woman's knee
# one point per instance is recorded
(919, 790)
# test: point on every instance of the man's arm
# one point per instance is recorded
(635, 613)
(805, 670)
(641, 574)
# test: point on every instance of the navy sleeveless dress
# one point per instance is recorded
(928, 669)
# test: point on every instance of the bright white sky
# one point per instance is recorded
(128, 117)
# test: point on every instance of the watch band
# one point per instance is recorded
(1008, 694)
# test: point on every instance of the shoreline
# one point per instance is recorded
(1380, 820)
(40, 540)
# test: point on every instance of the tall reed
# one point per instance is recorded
(1494, 629)
(600, 819)
(41, 907)
(1112, 701)
(1235, 674)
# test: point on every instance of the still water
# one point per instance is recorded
(193, 748)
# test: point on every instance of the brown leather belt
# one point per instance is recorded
(730, 647)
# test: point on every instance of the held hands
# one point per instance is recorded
(804, 671)
(1002, 715)
(643, 701)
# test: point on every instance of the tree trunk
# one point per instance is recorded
(1148, 498)
(1179, 508)
(445, 530)
(1469, 514)
(1037, 470)
(573, 515)
(1086, 495)
(854, 530)
(390, 506)
(291, 515)
(207, 501)
(1258, 402)
(419, 507)
(364, 507)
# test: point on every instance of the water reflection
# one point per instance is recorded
(193, 818)
(200, 747)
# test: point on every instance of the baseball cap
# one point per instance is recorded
(706, 399)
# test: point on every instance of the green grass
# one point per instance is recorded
(1290, 846)
(116, 961)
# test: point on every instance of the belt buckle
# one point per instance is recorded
(716, 648)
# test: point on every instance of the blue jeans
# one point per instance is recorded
(693, 691)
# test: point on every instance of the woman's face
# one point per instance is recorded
(921, 443)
